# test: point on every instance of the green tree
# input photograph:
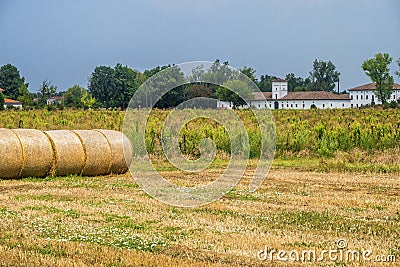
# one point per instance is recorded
(46, 90)
(226, 92)
(250, 72)
(171, 77)
(1, 101)
(398, 71)
(25, 96)
(377, 69)
(199, 90)
(73, 96)
(265, 83)
(323, 76)
(11, 80)
(114, 87)
(297, 83)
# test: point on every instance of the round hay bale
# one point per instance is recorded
(69, 152)
(38, 153)
(11, 156)
(97, 151)
(121, 150)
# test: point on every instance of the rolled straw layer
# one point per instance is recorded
(69, 153)
(33, 153)
(98, 152)
(11, 156)
(121, 150)
(38, 153)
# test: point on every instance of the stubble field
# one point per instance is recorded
(308, 202)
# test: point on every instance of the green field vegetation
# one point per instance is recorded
(340, 140)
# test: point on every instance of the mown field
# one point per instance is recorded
(318, 191)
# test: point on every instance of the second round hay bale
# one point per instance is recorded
(69, 152)
(121, 150)
(38, 153)
(98, 152)
(11, 156)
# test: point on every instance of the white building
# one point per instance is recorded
(364, 95)
(280, 98)
(12, 103)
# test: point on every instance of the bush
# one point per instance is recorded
(1, 101)
(393, 104)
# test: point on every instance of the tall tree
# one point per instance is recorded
(265, 83)
(171, 77)
(11, 80)
(46, 90)
(199, 90)
(73, 96)
(101, 84)
(398, 71)
(377, 69)
(24, 95)
(226, 92)
(323, 76)
(114, 87)
(250, 72)
(297, 83)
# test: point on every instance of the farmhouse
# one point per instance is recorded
(364, 95)
(10, 102)
(280, 98)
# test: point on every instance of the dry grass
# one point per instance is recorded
(109, 221)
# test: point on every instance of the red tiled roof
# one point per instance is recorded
(262, 96)
(315, 95)
(11, 101)
(371, 87)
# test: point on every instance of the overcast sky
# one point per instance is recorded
(64, 40)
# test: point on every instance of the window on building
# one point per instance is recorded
(361, 97)
(291, 105)
(366, 97)
(351, 97)
(304, 106)
(296, 105)
(357, 97)
(323, 105)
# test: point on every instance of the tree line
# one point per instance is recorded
(113, 87)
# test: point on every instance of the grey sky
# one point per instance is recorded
(64, 40)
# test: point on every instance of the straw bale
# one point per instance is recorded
(38, 153)
(69, 152)
(11, 156)
(98, 152)
(121, 150)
